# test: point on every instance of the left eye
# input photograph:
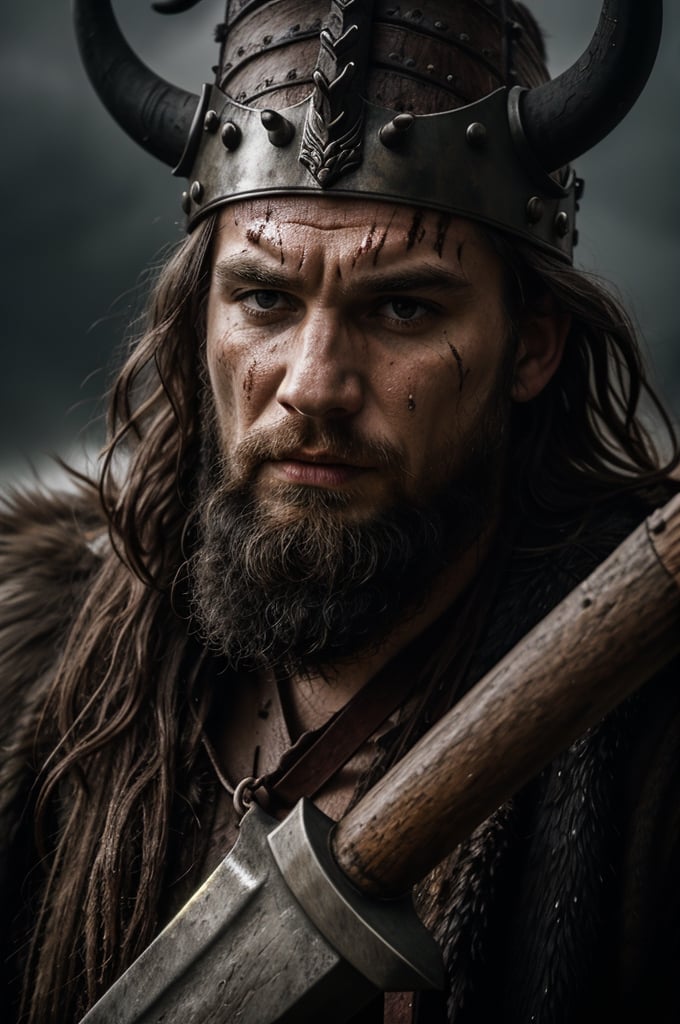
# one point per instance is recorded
(403, 309)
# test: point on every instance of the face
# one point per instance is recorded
(353, 348)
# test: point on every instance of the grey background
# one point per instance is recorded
(85, 210)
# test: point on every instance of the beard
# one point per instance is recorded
(286, 580)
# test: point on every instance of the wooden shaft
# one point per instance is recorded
(611, 634)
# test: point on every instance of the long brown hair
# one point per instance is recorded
(123, 717)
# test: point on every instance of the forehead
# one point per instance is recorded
(335, 228)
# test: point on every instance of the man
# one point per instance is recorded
(375, 423)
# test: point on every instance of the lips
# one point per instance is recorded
(317, 469)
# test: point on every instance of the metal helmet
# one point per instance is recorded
(447, 105)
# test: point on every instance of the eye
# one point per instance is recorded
(264, 300)
(403, 309)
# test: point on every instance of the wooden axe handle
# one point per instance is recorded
(610, 635)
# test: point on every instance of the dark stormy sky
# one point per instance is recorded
(85, 210)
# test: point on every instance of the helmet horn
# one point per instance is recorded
(153, 112)
(568, 115)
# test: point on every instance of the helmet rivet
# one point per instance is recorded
(196, 191)
(441, 26)
(211, 121)
(476, 134)
(279, 129)
(464, 37)
(562, 224)
(394, 131)
(186, 202)
(230, 135)
(534, 209)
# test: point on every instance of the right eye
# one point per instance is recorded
(264, 300)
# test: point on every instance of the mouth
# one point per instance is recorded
(317, 468)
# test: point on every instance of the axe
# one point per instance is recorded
(308, 917)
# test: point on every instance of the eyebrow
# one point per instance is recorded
(249, 270)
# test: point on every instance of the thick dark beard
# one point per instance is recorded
(291, 585)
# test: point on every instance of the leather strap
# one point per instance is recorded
(318, 754)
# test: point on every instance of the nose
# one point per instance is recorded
(323, 376)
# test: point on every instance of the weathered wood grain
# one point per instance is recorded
(613, 632)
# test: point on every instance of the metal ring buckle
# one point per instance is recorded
(241, 799)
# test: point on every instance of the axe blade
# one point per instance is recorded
(275, 934)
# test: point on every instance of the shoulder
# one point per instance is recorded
(49, 543)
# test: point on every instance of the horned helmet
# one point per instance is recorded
(446, 105)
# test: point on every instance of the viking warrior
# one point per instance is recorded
(375, 428)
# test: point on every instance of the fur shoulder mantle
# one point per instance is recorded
(48, 552)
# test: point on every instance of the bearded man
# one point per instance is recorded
(376, 427)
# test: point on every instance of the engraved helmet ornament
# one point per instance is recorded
(446, 105)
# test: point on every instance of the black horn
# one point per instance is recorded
(174, 6)
(567, 116)
(155, 113)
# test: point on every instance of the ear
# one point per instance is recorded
(542, 335)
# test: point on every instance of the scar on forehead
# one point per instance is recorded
(416, 232)
(383, 238)
(366, 245)
(255, 234)
(443, 223)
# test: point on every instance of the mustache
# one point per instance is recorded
(337, 440)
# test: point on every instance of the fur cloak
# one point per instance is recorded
(563, 906)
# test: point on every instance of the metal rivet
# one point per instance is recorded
(476, 133)
(186, 202)
(291, 75)
(535, 209)
(391, 133)
(579, 187)
(409, 62)
(279, 129)
(196, 191)
(430, 68)
(562, 224)
(241, 50)
(267, 39)
(515, 29)
(231, 135)
(441, 26)
(211, 121)
(464, 37)
(395, 56)
(449, 78)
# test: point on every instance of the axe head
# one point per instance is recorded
(275, 934)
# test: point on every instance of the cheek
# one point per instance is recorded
(242, 376)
